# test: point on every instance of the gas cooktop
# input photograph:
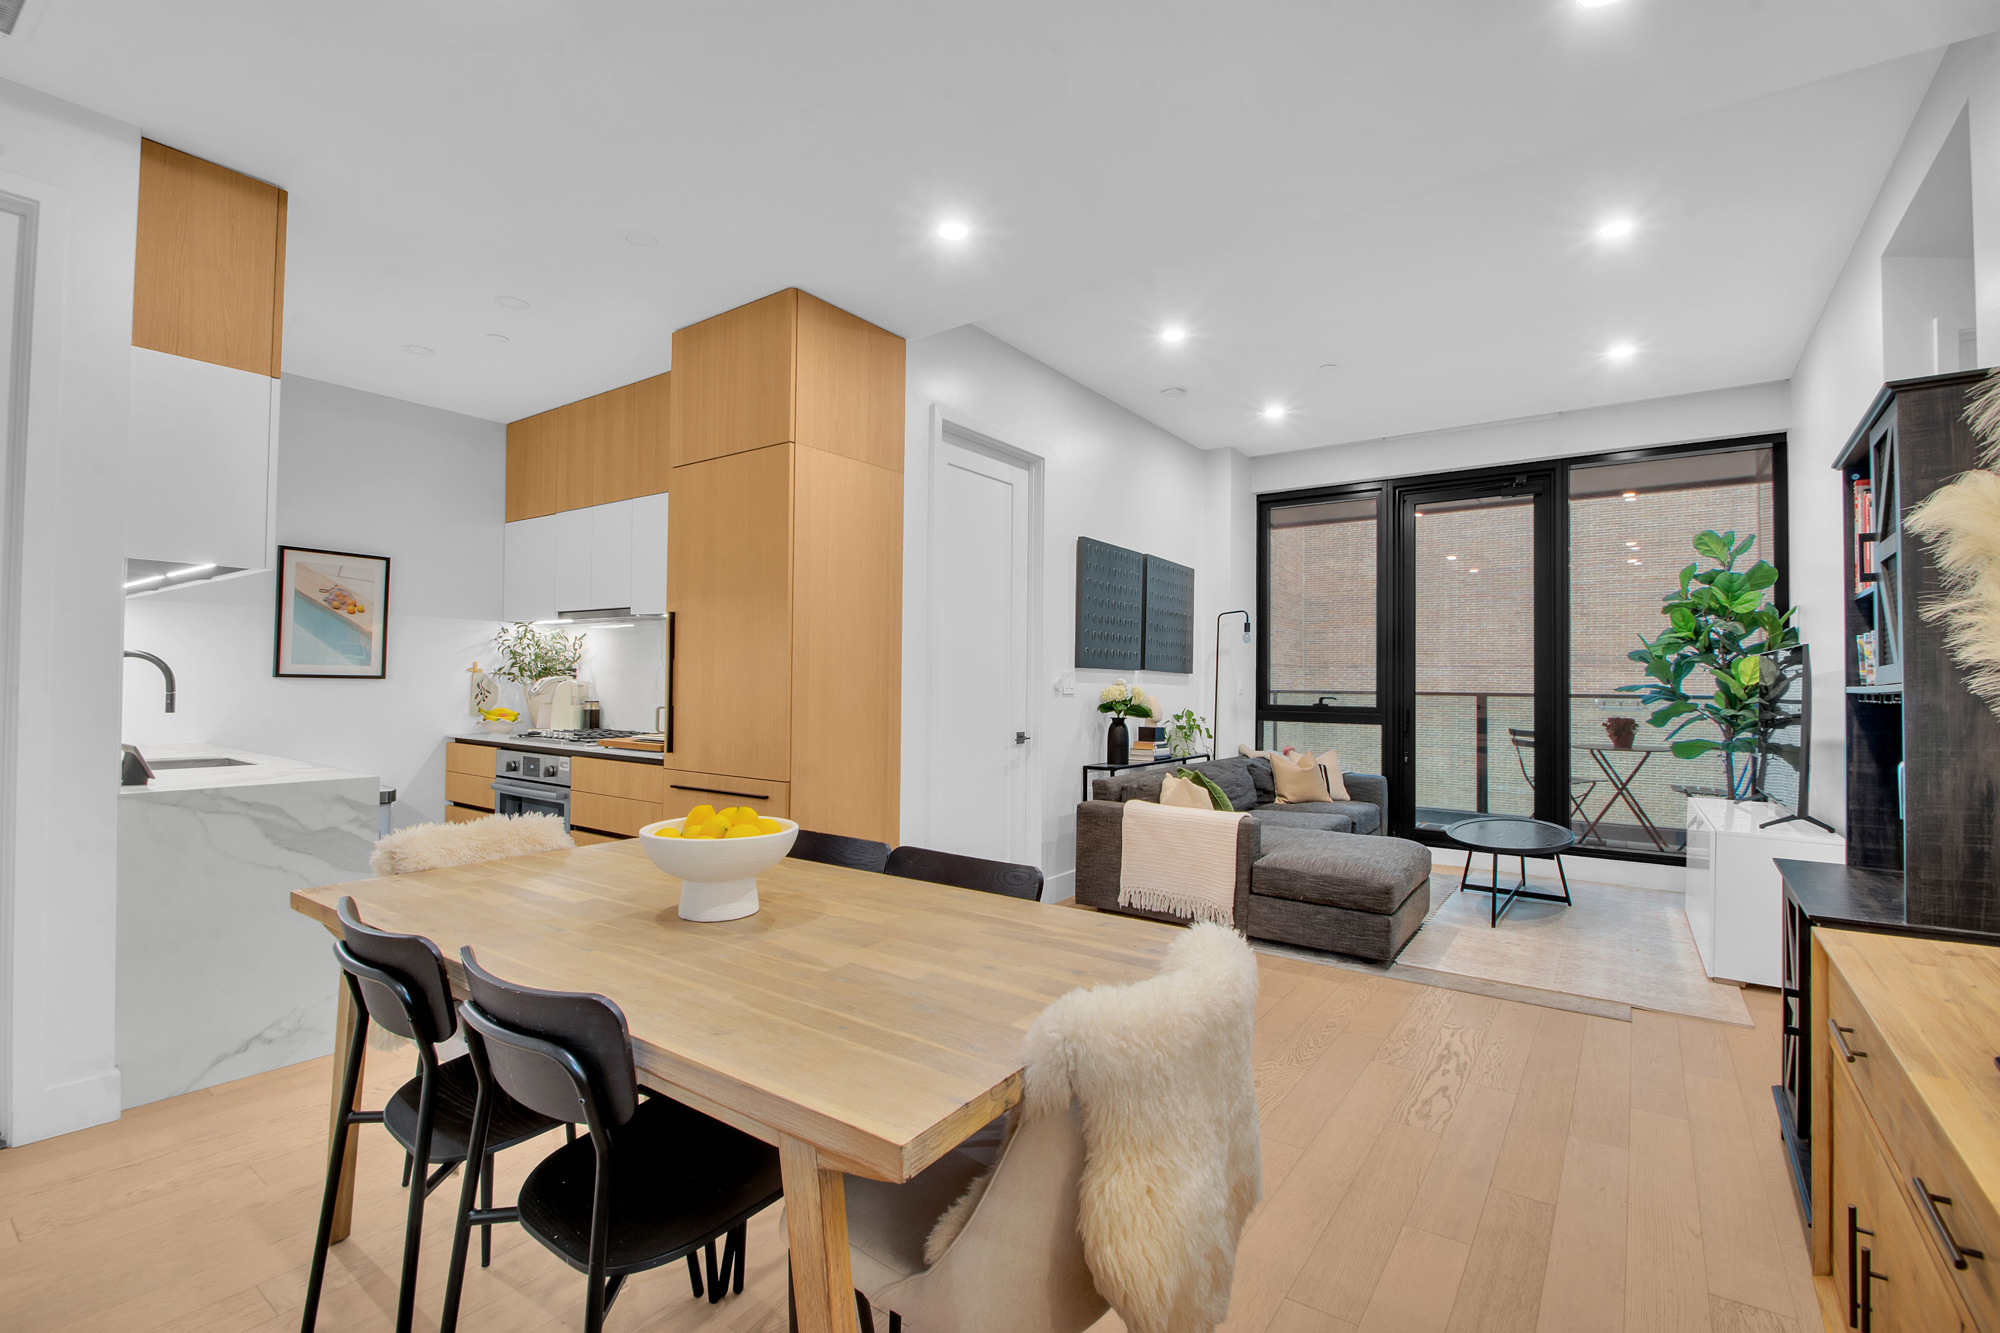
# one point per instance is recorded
(576, 736)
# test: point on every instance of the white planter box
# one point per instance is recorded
(1735, 899)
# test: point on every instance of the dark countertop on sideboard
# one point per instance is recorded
(557, 747)
(1842, 897)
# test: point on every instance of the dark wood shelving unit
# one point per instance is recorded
(1920, 860)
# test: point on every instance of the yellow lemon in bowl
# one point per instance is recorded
(745, 831)
(698, 816)
(666, 833)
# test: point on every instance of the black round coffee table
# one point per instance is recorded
(1516, 836)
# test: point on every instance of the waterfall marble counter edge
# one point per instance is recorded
(217, 977)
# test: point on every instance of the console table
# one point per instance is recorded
(1088, 769)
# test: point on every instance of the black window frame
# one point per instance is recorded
(1394, 640)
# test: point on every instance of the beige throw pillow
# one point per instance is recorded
(1303, 778)
(1185, 792)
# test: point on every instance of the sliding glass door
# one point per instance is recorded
(1477, 703)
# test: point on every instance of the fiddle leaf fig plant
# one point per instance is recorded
(1721, 620)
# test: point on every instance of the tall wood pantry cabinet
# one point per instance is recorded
(784, 566)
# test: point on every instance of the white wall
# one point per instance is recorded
(1108, 475)
(1718, 414)
(59, 838)
(1845, 362)
(377, 476)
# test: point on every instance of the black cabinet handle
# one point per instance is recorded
(1854, 1229)
(1957, 1254)
(1840, 1042)
(1868, 1276)
(722, 791)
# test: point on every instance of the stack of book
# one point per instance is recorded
(1864, 533)
(1148, 744)
(1864, 656)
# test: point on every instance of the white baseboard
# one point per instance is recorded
(66, 1107)
(1060, 887)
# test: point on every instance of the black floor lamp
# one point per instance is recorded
(1215, 704)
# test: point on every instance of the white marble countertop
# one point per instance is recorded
(256, 770)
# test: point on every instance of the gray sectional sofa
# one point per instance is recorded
(1318, 874)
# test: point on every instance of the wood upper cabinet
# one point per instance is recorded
(788, 369)
(599, 450)
(209, 271)
(729, 589)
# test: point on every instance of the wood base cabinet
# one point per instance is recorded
(784, 566)
(1906, 1235)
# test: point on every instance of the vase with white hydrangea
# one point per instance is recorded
(1122, 700)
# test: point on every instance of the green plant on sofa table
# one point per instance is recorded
(1720, 619)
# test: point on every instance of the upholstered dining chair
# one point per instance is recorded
(1124, 1178)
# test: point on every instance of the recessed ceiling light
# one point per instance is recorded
(952, 230)
(414, 350)
(1616, 229)
(1173, 333)
(510, 302)
(1173, 392)
(1632, 545)
(496, 337)
(1620, 352)
(1274, 412)
(1594, 4)
(1329, 365)
(641, 238)
(1631, 562)
(1473, 570)
(1451, 557)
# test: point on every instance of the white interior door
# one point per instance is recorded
(980, 733)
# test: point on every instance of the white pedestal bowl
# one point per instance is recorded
(718, 877)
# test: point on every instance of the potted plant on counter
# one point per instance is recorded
(534, 659)
(1123, 700)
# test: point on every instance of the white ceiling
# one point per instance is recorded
(1400, 187)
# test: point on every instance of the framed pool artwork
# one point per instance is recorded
(333, 614)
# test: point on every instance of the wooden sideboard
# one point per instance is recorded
(1906, 1105)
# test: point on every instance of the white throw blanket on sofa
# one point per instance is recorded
(1179, 860)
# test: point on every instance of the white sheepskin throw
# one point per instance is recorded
(1161, 1069)
(435, 846)
(1960, 522)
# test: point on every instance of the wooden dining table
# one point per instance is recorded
(863, 1024)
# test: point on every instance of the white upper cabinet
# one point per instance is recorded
(649, 555)
(595, 559)
(528, 580)
(610, 556)
(201, 470)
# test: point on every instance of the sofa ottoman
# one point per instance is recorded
(1339, 891)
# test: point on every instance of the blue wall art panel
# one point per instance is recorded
(1110, 595)
(1169, 616)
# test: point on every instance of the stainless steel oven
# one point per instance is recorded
(531, 784)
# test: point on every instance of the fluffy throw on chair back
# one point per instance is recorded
(1161, 1069)
(435, 846)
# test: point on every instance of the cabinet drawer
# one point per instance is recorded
(463, 814)
(611, 814)
(584, 837)
(617, 777)
(469, 789)
(1877, 1232)
(1917, 1152)
(686, 790)
(475, 760)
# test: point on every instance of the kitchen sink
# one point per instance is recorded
(158, 765)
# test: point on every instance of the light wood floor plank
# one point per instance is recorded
(1740, 1248)
(1441, 1078)
(1531, 1159)
(1602, 1110)
(1285, 1063)
(1583, 1288)
(1388, 1001)
(1409, 1042)
(1417, 1286)
(1666, 1286)
(1656, 1064)
(1726, 1316)
(1300, 1114)
(1295, 1318)
(1503, 1053)
(1341, 1275)
(1452, 1196)
(1501, 1289)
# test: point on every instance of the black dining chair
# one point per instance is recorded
(835, 849)
(966, 872)
(653, 1181)
(399, 982)
(1524, 745)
